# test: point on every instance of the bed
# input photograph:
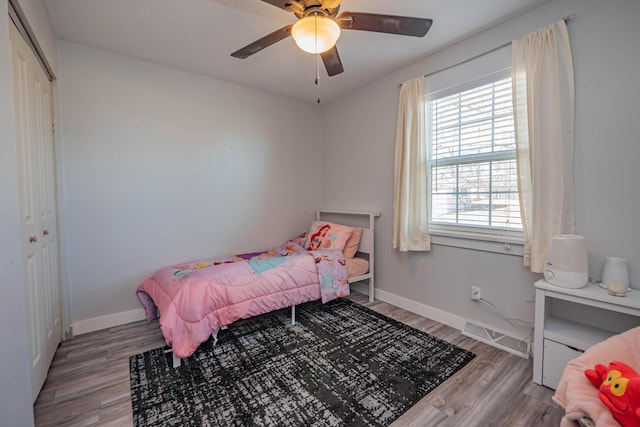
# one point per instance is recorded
(578, 396)
(194, 300)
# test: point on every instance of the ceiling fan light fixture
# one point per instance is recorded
(315, 33)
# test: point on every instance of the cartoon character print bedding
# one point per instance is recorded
(196, 298)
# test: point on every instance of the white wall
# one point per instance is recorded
(15, 392)
(358, 151)
(162, 166)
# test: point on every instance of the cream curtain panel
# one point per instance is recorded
(410, 198)
(543, 98)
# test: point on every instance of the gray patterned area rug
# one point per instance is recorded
(341, 364)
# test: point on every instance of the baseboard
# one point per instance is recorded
(414, 307)
(116, 319)
(103, 322)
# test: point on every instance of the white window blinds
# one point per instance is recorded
(471, 157)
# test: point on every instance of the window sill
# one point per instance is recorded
(514, 245)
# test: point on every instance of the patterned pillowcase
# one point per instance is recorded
(326, 235)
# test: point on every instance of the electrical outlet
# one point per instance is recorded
(475, 293)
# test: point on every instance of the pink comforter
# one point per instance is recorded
(578, 396)
(197, 298)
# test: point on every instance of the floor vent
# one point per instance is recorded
(518, 346)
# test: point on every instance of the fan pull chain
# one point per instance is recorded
(318, 77)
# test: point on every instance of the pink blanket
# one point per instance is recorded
(197, 298)
(578, 396)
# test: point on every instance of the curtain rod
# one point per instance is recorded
(448, 67)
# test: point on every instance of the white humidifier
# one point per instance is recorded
(567, 261)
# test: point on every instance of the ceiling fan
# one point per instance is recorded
(318, 28)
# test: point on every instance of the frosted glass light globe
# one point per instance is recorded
(315, 34)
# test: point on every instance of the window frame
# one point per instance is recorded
(507, 241)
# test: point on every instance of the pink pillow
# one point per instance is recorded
(327, 235)
(351, 247)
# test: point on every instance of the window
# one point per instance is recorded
(471, 160)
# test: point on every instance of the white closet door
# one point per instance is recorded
(36, 168)
(48, 211)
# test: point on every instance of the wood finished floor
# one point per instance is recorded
(88, 383)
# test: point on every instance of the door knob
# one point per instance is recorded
(33, 239)
(45, 232)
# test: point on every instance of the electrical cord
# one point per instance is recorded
(515, 322)
(509, 319)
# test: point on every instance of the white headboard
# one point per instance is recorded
(363, 219)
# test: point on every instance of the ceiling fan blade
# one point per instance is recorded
(332, 61)
(263, 43)
(403, 25)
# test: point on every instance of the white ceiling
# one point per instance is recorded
(198, 36)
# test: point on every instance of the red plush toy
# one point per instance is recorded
(619, 389)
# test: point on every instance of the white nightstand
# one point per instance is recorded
(569, 321)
